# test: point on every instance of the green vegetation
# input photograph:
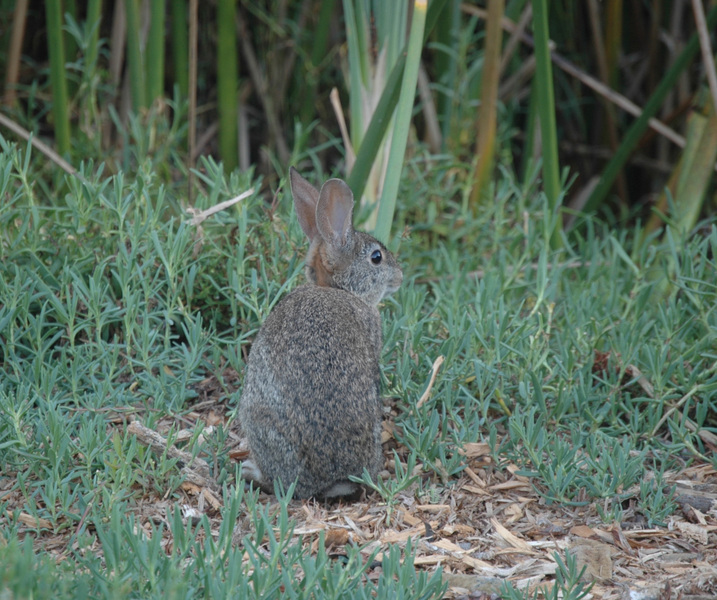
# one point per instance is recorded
(579, 348)
(110, 312)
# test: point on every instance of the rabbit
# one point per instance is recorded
(311, 408)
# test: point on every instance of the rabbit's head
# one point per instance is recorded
(339, 256)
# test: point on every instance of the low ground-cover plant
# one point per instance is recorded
(578, 366)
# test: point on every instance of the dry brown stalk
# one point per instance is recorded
(707, 56)
(195, 470)
(434, 371)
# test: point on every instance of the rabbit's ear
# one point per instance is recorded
(306, 196)
(334, 213)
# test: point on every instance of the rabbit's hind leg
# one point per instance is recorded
(273, 455)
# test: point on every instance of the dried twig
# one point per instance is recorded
(195, 470)
(679, 403)
(707, 56)
(434, 371)
(261, 85)
(20, 131)
(12, 64)
(339, 112)
(512, 44)
(199, 216)
(434, 138)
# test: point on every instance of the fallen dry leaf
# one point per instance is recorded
(34, 522)
(595, 556)
(336, 537)
(583, 531)
(474, 449)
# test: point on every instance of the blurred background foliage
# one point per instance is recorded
(629, 131)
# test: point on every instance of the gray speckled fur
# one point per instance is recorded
(311, 407)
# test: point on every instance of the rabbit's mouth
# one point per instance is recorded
(394, 284)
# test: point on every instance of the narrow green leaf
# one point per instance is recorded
(546, 111)
(403, 122)
(620, 251)
(69, 8)
(94, 15)
(384, 110)
(356, 33)
(688, 186)
(697, 170)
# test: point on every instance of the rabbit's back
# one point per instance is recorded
(311, 407)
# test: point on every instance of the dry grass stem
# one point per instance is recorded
(434, 138)
(512, 44)
(259, 79)
(345, 136)
(707, 55)
(41, 146)
(434, 371)
(199, 216)
(14, 52)
(195, 470)
(679, 403)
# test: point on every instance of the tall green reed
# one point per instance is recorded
(56, 50)
(154, 58)
(488, 112)
(546, 112)
(227, 83)
(134, 56)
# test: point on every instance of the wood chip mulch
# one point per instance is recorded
(487, 526)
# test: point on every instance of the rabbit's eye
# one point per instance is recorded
(376, 257)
